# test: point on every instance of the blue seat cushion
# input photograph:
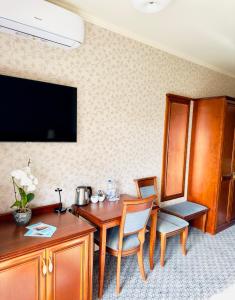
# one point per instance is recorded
(167, 223)
(112, 239)
(185, 208)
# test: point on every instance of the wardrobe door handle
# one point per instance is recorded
(50, 267)
(44, 267)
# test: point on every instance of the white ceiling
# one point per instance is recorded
(202, 31)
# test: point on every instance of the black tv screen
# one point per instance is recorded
(34, 111)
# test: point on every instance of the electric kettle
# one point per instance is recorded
(83, 194)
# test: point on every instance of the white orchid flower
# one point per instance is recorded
(35, 181)
(25, 181)
(31, 188)
(24, 178)
(18, 174)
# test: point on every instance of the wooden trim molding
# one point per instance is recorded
(175, 145)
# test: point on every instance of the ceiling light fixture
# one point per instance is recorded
(149, 7)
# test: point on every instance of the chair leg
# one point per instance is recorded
(204, 219)
(163, 249)
(119, 260)
(183, 240)
(141, 262)
(141, 237)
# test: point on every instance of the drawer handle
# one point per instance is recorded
(44, 267)
(50, 267)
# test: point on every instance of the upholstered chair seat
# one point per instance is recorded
(186, 208)
(112, 239)
(168, 223)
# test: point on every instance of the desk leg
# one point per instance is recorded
(103, 233)
(153, 230)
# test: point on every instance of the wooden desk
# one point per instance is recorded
(106, 215)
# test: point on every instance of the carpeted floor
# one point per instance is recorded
(208, 268)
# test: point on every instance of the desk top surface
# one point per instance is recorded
(106, 211)
(14, 243)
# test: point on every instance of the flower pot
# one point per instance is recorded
(22, 218)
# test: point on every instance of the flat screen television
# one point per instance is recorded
(35, 111)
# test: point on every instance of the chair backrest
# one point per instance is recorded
(146, 187)
(135, 215)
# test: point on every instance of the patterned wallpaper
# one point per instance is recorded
(121, 101)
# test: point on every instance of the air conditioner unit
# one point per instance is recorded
(43, 20)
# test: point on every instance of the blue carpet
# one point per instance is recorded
(208, 268)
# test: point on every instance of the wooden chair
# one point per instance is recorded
(129, 237)
(168, 225)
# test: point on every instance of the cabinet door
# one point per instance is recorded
(68, 271)
(22, 278)
(226, 194)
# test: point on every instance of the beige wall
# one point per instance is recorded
(121, 100)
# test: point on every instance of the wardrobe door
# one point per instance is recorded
(205, 157)
(225, 203)
(175, 146)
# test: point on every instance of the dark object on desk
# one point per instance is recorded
(60, 209)
(83, 194)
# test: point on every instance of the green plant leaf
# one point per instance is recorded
(16, 204)
(23, 196)
(30, 197)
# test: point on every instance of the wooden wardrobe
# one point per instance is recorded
(212, 160)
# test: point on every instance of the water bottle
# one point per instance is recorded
(111, 190)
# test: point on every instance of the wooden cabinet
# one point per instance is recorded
(22, 278)
(60, 270)
(212, 168)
